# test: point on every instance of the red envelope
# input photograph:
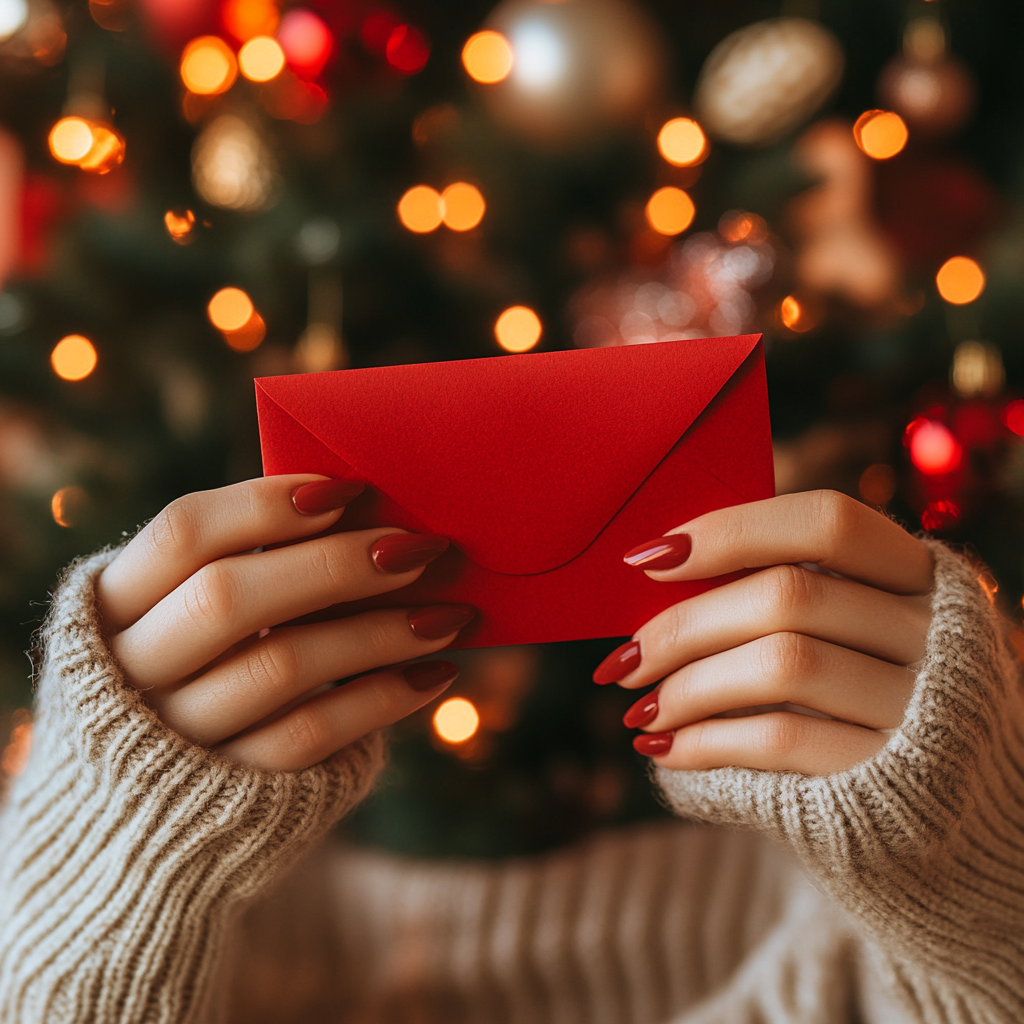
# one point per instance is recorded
(543, 469)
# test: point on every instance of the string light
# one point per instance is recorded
(682, 142)
(462, 206)
(307, 42)
(261, 59)
(246, 19)
(420, 209)
(740, 226)
(933, 448)
(230, 309)
(880, 134)
(518, 329)
(179, 225)
(71, 139)
(208, 66)
(795, 315)
(487, 57)
(407, 49)
(456, 720)
(67, 506)
(960, 280)
(73, 357)
(106, 152)
(248, 336)
(231, 168)
(670, 211)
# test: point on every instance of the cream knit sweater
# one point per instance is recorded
(144, 880)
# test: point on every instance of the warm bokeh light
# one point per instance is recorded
(73, 357)
(960, 280)
(421, 209)
(245, 19)
(795, 315)
(261, 59)
(881, 134)
(407, 49)
(106, 152)
(487, 57)
(14, 758)
(682, 142)
(462, 206)
(518, 329)
(179, 225)
(1013, 416)
(208, 66)
(878, 484)
(456, 720)
(933, 448)
(248, 336)
(67, 506)
(670, 210)
(306, 40)
(230, 309)
(741, 226)
(943, 513)
(71, 139)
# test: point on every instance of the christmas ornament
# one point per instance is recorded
(932, 90)
(577, 67)
(763, 81)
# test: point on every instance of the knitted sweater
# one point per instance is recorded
(145, 880)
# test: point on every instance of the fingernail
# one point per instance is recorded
(425, 675)
(618, 664)
(320, 496)
(440, 620)
(403, 552)
(663, 553)
(651, 744)
(643, 712)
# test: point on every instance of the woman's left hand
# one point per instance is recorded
(842, 643)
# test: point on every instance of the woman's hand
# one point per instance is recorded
(841, 643)
(187, 603)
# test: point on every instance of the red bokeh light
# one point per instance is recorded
(976, 425)
(933, 449)
(407, 49)
(938, 514)
(307, 42)
(1013, 416)
(377, 28)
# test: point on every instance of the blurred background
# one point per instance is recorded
(194, 193)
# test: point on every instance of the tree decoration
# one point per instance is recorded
(765, 80)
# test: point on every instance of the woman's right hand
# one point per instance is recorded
(187, 604)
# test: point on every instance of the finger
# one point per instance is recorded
(777, 742)
(825, 527)
(783, 599)
(783, 668)
(202, 527)
(326, 723)
(232, 598)
(291, 661)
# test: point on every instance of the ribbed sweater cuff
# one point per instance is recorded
(125, 849)
(922, 842)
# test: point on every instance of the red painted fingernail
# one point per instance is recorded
(425, 675)
(440, 620)
(320, 496)
(651, 744)
(618, 664)
(663, 553)
(643, 712)
(403, 552)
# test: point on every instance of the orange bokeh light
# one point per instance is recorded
(421, 209)
(248, 336)
(796, 316)
(73, 357)
(245, 19)
(179, 225)
(67, 506)
(487, 57)
(960, 280)
(230, 309)
(456, 720)
(682, 142)
(462, 206)
(740, 226)
(71, 139)
(106, 152)
(261, 59)
(670, 210)
(208, 66)
(518, 329)
(880, 134)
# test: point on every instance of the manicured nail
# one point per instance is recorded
(643, 712)
(403, 552)
(440, 620)
(651, 744)
(320, 496)
(663, 553)
(618, 664)
(425, 675)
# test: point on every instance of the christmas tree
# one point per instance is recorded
(195, 193)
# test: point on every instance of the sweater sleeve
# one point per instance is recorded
(126, 851)
(923, 844)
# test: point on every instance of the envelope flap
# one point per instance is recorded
(521, 460)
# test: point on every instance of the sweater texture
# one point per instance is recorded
(144, 880)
